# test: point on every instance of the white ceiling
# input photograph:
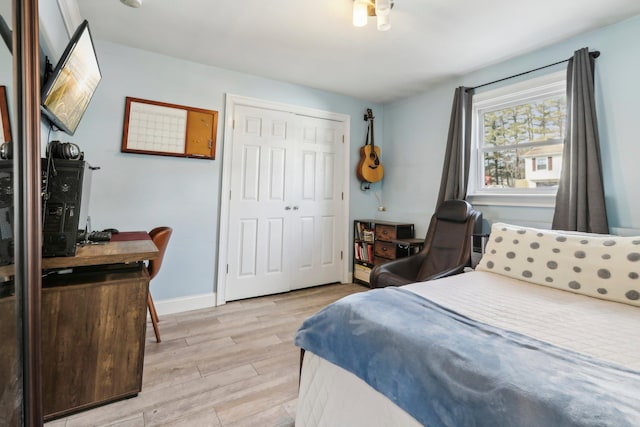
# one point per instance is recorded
(313, 43)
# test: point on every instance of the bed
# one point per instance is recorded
(545, 332)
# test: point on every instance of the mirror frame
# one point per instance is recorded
(27, 203)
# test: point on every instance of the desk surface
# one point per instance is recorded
(120, 250)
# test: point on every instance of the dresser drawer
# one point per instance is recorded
(392, 232)
(385, 249)
(385, 232)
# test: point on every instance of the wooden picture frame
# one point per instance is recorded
(5, 124)
(159, 128)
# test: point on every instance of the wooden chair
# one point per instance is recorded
(160, 236)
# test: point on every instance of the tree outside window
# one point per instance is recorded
(509, 135)
(518, 136)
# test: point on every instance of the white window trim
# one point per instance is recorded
(506, 96)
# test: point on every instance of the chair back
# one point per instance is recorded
(160, 236)
(448, 241)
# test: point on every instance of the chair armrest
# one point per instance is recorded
(397, 272)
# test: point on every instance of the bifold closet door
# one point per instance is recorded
(284, 213)
(317, 191)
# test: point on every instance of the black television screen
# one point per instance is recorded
(67, 92)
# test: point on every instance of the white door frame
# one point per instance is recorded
(231, 102)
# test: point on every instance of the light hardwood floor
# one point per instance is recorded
(233, 365)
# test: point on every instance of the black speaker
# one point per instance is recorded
(62, 193)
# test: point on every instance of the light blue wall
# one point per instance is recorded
(416, 131)
(53, 39)
(134, 192)
(138, 192)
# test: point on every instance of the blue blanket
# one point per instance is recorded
(448, 370)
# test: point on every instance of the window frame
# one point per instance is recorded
(541, 163)
(551, 84)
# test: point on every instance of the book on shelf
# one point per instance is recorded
(364, 232)
(368, 235)
(363, 251)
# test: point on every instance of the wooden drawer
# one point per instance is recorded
(392, 232)
(385, 232)
(385, 249)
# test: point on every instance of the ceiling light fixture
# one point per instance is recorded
(132, 3)
(363, 9)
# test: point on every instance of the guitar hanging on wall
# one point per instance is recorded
(370, 167)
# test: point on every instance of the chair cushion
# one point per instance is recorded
(600, 266)
(454, 210)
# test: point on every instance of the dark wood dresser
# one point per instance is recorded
(94, 318)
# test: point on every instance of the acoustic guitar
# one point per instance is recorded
(370, 167)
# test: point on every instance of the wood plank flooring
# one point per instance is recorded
(233, 365)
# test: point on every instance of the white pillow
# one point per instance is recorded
(601, 266)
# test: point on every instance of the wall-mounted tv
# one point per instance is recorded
(67, 92)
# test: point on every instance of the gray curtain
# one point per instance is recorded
(455, 171)
(580, 204)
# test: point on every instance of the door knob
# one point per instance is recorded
(287, 208)
(295, 208)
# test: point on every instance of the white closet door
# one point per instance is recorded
(317, 199)
(259, 223)
(285, 210)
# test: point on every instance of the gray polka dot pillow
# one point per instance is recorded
(601, 266)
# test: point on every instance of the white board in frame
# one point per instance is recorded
(160, 128)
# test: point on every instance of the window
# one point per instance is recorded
(518, 134)
(540, 164)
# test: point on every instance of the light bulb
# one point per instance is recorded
(383, 22)
(360, 13)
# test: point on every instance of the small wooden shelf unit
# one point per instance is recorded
(376, 242)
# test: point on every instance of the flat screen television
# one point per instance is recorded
(67, 92)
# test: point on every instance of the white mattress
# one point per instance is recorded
(331, 396)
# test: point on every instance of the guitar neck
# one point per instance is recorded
(369, 116)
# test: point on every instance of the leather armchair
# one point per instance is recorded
(446, 250)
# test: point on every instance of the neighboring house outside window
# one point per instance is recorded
(543, 165)
(518, 134)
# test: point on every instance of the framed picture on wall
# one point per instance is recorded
(5, 124)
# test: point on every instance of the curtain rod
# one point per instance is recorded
(594, 54)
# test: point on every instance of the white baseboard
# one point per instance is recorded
(182, 304)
